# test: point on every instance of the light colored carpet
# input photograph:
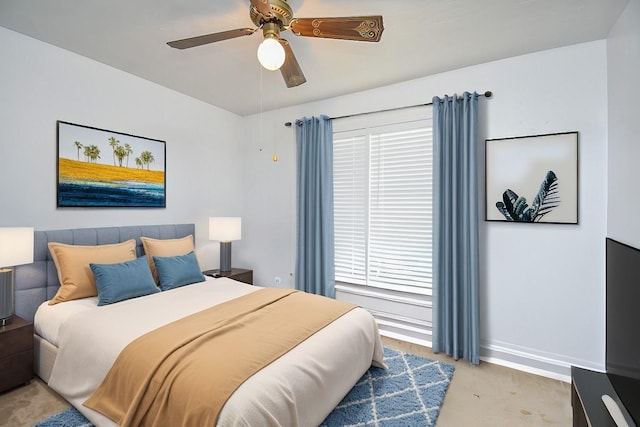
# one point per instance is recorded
(481, 396)
(24, 406)
(489, 395)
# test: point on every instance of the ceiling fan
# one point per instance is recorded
(276, 16)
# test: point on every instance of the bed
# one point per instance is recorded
(77, 341)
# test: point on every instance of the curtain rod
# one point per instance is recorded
(487, 94)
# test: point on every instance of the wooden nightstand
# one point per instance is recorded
(16, 353)
(239, 274)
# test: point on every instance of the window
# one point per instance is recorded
(383, 212)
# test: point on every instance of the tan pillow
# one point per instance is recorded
(74, 273)
(165, 247)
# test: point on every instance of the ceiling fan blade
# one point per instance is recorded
(359, 28)
(262, 6)
(291, 71)
(211, 38)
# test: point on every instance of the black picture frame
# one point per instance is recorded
(100, 168)
(532, 179)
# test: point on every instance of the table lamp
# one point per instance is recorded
(16, 248)
(225, 230)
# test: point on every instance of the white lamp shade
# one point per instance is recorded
(225, 228)
(16, 246)
(271, 54)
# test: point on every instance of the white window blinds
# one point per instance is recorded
(382, 205)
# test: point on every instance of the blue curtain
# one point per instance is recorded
(455, 234)
(315, 271)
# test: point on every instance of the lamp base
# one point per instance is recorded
(6, 296)
(225, 257)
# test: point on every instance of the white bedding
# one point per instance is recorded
(299, 389)
(48, 318)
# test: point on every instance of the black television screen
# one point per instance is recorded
(623, 323)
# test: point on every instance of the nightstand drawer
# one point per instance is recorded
(16, 353)
(16, 370)
(239, 274)
(16, 337)
(246, 277)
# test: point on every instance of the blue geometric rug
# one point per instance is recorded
(409, 393)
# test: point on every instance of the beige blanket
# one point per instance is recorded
(160, 378)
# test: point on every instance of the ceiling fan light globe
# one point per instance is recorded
(271, 54)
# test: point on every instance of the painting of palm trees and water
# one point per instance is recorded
(103, 168)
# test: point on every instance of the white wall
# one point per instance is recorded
(623, 66)
(40, 84)
(542, 285)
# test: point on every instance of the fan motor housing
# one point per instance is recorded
(280, 9)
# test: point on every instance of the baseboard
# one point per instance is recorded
(528, 369)
(404, 329)
(534, 361)
(526, 360)
(404, 337)
(548, 365)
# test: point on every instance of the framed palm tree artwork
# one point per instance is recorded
(532, 179)
(104, 168)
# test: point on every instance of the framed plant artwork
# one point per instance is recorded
(532, 179)
(104, 168)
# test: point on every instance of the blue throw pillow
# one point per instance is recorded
(176, 271)
(125, 280)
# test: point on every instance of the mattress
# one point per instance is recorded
(301, 388)
(49, 318)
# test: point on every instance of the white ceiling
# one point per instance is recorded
(421, 37)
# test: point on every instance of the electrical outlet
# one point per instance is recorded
(277, 281)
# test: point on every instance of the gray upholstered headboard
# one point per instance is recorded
(38, 282)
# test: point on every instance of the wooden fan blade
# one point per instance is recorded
(291, 71)
(262, 6)
(211, 38)
(359, 28)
